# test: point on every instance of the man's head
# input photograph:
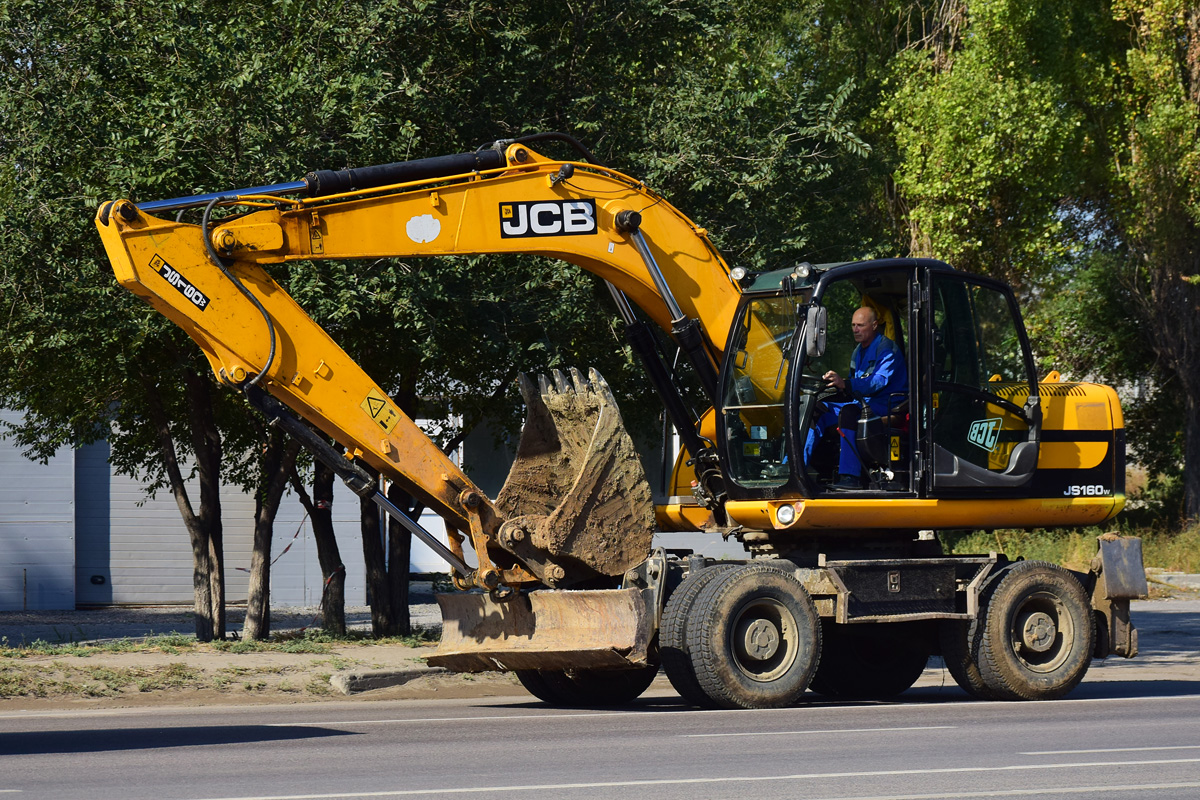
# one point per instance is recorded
(864, 323)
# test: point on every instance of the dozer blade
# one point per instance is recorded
(593, 628)
(577, 485)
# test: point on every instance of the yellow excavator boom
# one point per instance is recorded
(255, 336)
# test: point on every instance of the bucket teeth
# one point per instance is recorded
(600, 387)
(528, 389)
(577, 477)
(560, 382)
(581, 384)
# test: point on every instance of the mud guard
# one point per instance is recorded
(1117, 576)
(593, 629)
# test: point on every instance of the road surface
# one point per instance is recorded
(1110, 740)
(1131, 730)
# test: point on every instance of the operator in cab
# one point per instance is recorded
(877, 374)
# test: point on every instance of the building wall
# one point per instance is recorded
(37, 528)
(77, 534)
(133, 549)
(74, 533)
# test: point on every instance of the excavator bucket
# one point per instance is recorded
(585, 629)
(577, 484)
(579, 495)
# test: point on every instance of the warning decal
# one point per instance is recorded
(381, 410)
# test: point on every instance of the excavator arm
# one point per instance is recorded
(210, 279)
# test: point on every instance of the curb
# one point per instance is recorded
(354, 682)
(1181, 580)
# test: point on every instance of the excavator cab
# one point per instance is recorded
(963, 417)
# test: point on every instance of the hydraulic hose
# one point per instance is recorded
(215, 257)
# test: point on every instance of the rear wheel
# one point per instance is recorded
(672, 634)
(587, 688)
(1038, 637)
(961, 643)
(869, 662)
(960, 640)
(754, 638)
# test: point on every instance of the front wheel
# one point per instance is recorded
(672, 634)
(754, 638)
(587, 688)
(1038, 635)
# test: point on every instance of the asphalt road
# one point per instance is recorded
(1131, 730)
(1111, 740)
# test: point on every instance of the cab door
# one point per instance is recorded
(982, 412)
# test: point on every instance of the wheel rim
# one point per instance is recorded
(764, 639)
(1041, 632)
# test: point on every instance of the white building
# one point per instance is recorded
(76, 534)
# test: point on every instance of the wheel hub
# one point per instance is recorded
(760, 640)
(1038, 631)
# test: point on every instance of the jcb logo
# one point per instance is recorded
(985, 433)
(548, 218)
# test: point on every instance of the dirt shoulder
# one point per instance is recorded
(201, 675)
(129, 657)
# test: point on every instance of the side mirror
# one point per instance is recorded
(814, 331)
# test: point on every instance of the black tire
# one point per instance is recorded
(587, 688)
(869, 662)
(1038, 635)
(961, 644)
(960, 640)
(754, 638)
(672, 634)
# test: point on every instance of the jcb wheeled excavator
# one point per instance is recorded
(844, 590)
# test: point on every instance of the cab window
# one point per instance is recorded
(981, 381)
(753, 394)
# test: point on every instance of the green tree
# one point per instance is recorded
(180, 98)
(1157, 205)
(1055, 145)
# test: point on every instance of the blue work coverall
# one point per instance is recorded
(877, 372)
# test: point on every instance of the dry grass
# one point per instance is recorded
(1177, 551)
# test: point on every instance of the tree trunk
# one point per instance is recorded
(205, 525)
(278, 462)
(207, 448)
(333, 572)
(1191, 459)
(378, 592)
(399, 555)
(1172, 308)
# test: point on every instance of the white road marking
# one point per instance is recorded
(873, 708)
(1111, 750)
(1142, 787)
(668, 713)
(559, 787)
(841, 730)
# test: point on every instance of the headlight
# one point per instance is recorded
(785, 515)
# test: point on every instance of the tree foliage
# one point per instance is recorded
(1055, 145)
(148, 101)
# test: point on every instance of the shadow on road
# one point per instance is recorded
(99, 741)
(1135, 688)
